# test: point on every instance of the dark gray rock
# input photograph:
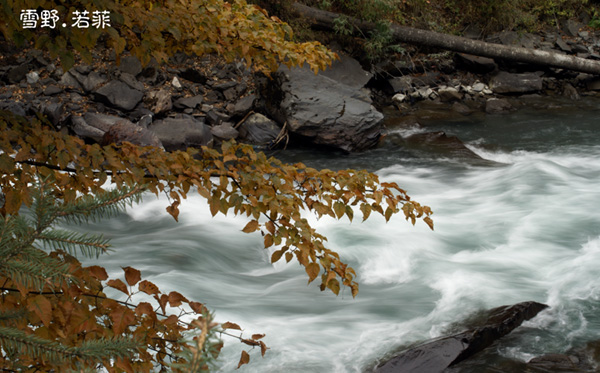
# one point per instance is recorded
(215, 117)
(230, 94)
(52, 90)
(498, 106)
(476, 64)
(17, 73)
(182, 132)
(118, 95)
(224, 131)
(89, 81)
(223, 86)
(593, 85)
(507, 83)
(131, 81)
(324, 111)
(124, 130)
(82, 129)
(188, 102)
(461, 108)
(16, 108)
(437, 355)
(348, 71)
(244, 105)
(130, 65)
(69, 80)
(563, 46)
(401, 84)
(52, 110)
(570, 92)
(571, 27)
(259, 130)
(103, 122)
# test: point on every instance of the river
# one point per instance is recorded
(523, 227)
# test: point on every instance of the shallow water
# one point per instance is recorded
(523, 227)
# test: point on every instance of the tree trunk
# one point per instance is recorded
(410, 35)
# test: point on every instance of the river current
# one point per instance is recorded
(524, 226)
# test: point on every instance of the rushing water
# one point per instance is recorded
(523, 227)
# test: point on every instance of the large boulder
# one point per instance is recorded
(507, 83)
(325, 111)
(118, 95)
(436, 355)
(182, 132)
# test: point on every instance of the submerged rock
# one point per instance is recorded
(438, 354)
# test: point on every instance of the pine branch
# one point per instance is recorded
(89, 245)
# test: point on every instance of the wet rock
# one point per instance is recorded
(259, 130)
(124, 130)
(498, 106)
(182, 132)
(593, 85)
(439, 142)
(476, 64)
(437, 355)
(399, 98)
(224, 131)
(118, 95)
(507, 83)
(570, 92)
(130, 65)
(159, 101)
(324, 111)
(449, 94)
(461, 108)
(188, 102)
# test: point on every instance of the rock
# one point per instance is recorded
(570, 92)
(131, 81)
(571, 27)
(259, 130)
(325, 111)
(449, 94)
(182, 132)
(593, 85)
(244, 105)
(175, 83)
(422, 93)
(461, 108)
(119, 95)
(80, 127)
(437, 355)
(224, 131)
(130, 65)
(53, 110)
(69, 80)
(188, 102)
(230, 94)
(88, 82)
(215, 117)
(563, 46)
(399, 98)
(159, 101)
(439, 142)
(510, 38)
(476, 64)
(124, 130)
(16, 108)
(505, 82)
(17, 73)
(554, 363)
(478, 87)
(401, 85)
(52, 90)
(32, 77)
(498, 106)
(348, 71)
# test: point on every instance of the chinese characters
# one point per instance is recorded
(50, 18)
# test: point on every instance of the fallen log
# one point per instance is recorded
(409, 35)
